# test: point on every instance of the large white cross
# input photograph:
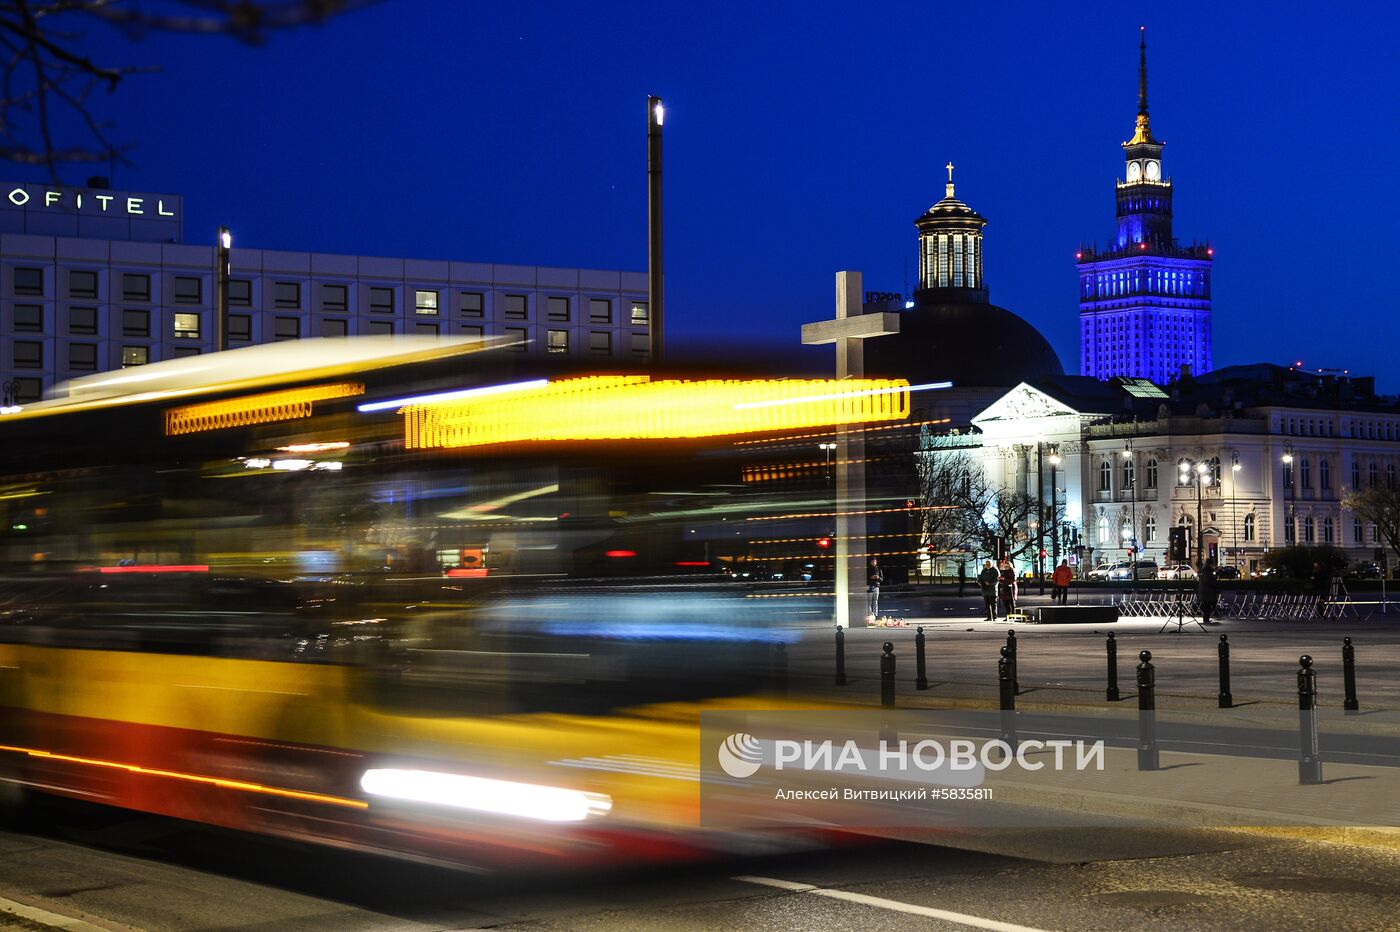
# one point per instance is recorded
(848, 331)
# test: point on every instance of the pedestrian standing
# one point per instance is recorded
(1006, 588)
(1206, 592)
(1061, 578)
(987, 582)
(874, 578)
(962, 577)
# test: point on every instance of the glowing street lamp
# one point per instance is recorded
(221, 272)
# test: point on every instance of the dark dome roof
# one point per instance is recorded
(968, 344)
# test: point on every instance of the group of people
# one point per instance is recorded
(999, 587)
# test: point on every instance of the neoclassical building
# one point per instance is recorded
(1245, 458)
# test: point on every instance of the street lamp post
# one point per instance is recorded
(1132, 482)
(1040, 515)
(221, 273)
(1196, 470)
(1234, 488)
(1290, 532)
(1054, 509)
(656, 114)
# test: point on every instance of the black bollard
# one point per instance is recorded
(1112, 646)
(887, 677)
(840, 656)
(1007, 685)
(1227, 701)
(1011, 660)
(1349, 677)
(920, 670)
(780, 670)
(1309, 764)
(1148, 758)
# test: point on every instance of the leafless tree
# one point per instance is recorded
(964, 512)
(1379, 505)
(48, 75)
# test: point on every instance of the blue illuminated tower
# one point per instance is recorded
(1144, 300)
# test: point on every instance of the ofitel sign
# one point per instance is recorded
(111, 203)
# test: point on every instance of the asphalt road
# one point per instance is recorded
(116, 870)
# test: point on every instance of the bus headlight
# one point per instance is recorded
(481, 794)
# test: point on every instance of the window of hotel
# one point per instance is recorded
(1149, 528)
(240, 327)
(599, 311)
(28, 391)
(1151, 477)
(558, 341)
(187, 326)
(1358, 536)
(1327, 530)
(29, 354)
(82, 320)
(518, 337)
(82, 284)
(135, 356)
(1390, 476)
(1372, 472)
(1105, 476)
(188, 289)
(640, 314)
(517, 307)
(82, 356)
(470, 330)
(1355, 473)
(1309, 529)
(1304, 474)
(641, 344)
(381, 301)
(556, 308)
(1249, 524)
(473, 304)
(240, 292)
(335, 297)
(29, 318)
(1324, 474)
(286, 328)
(29, 281)
(381, 327)
(335, 327)
(600, 343)
(286, 294)
(427, 329)
(136, 323)
(425, 302)
(136, 287)
(1103, 530)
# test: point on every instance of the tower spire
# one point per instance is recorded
(1143, 130)
(1142, 73)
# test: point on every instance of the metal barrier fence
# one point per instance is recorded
(1275, 606)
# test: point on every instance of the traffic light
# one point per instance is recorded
(1176, 538)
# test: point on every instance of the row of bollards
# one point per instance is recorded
(1309, 760)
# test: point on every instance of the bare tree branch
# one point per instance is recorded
(45, 64)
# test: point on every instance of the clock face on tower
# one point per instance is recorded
(1153, 170)
(1134, 171)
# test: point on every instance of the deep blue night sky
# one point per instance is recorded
(800, 141)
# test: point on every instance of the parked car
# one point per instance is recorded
(1227, 572)
(1142, 569)
(1367, 571)
(1102, 570)
(1180, 571)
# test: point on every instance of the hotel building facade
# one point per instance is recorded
(93, 280)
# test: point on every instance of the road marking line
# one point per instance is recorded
(976, 922)
(44, 917)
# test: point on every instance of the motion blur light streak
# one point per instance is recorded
(838, 395)
(286, 405)
(157, 568)
(190, 777)
(626, 407)
(481, 794)
(440, 397)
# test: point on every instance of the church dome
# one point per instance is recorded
(966, 343)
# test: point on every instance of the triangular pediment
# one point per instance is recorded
(1023, 403)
